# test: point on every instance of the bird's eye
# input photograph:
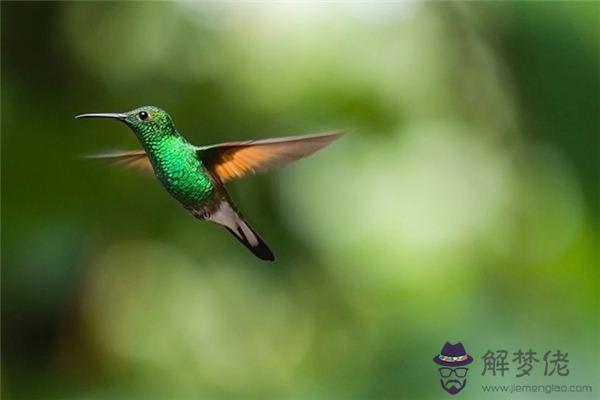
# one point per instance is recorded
(142, 115)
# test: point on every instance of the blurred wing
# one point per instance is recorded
(131, 159)
(233, 160)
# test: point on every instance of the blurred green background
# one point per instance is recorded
(462, 205)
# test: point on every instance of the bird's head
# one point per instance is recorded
(147, 122)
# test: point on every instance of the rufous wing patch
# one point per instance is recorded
(233, 160)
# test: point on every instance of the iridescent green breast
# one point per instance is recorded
(179, 169)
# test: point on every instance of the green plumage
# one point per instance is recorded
(179, 170)
(175, 161)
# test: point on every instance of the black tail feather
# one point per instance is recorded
(260, 250)
(227, 216)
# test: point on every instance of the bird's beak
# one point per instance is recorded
(118, 116)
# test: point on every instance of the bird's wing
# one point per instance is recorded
(233, 160)
(136, 159)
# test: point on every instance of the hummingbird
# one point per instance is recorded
(195, 175)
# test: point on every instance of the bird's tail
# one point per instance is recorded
(231, 219)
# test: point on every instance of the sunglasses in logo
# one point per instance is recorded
(447, 372)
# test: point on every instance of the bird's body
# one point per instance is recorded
(180, 170)
(194, 176)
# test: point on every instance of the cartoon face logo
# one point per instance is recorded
(453, 373)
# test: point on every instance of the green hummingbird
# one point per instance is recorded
(195, 175)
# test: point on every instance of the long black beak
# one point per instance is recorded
(104, 115)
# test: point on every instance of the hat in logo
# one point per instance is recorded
(453, 355)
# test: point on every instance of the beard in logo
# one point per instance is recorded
(453, 386)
